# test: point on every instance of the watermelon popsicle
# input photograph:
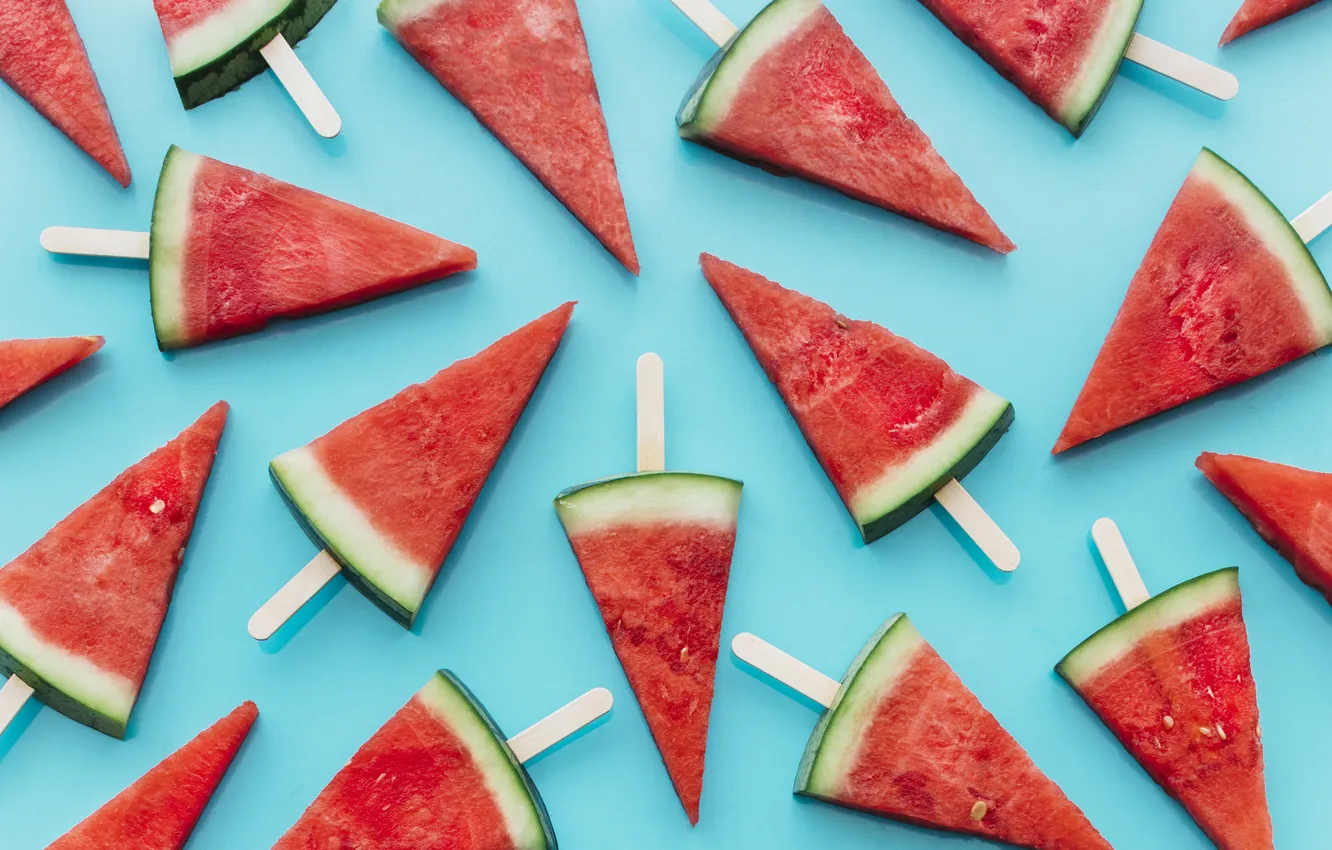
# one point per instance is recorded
(903, 738)
(216, 45)
(232, 249)
(26, 363)
(1172, 680)
(1228, 290)
(440, 775)
(385, 494)
(1255, 14)
(655, 548)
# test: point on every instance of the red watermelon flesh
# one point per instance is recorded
(436, 776)
(25, 363)
(43, 58)
(521, 66)
(906, 740)
(655, 549)
(1227, 291)
(388, 491)
(1172, 680)
(233, 249)
(81, 609)
(794, 93)
(1290, 508)
(1255, 14)
(889, 422)
(160, 810)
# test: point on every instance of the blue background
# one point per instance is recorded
(511, 613)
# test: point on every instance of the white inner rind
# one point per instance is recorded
(83, 681)
(1108, 48)
(398, 12)
(650, 497)
(886, 658)
(172, 213)
(1164, 611)
(1277, 235)
(455, 711)
(349, 531)
(899, 483)
(221, 32)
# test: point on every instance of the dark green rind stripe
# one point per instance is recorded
(616, 479)
(154, 282)
(58, 699)
(1077, 124)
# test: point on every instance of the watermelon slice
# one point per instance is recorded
(25, 363)
(792, 93)
(386, 492)
(1062, 56)
(1171, 679)
(1290, 508)
(43, 58)
(1255, 14)
(889, 422)
(439, 774)
(80, 611)
(213, 45)
(655, 548)
(521, 67)
(906, 740)
(216, 271)
(160, 810)
(1227, 291)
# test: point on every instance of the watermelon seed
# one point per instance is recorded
(1260, 732)
(1210, 694)
(1220, 731)
(1205, 730)
(978, 811)
(841, 323)
(1169, 722)
(157, 507)
(381, 777)
(684, 654)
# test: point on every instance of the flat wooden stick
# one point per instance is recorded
(544, 734)
(292, 597)
(296, 79)
(1311, 223)
(708, 18)
(13, 696)
(90, 242)
(1119, 563)
(1182, 67)
(795, 674)
(978, 525)
(651, 414)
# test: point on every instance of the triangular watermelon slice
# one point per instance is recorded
(438, 774)
(522, 68)
(1062, 56)
(25, 363)
(216, 269)
(656, 548)
(1171, 679)
(43, 58)
(906, 740)
(80, 611)
(386, 492)
(1291, 508)
(1255, 14)
(160, 810)
(889, 422)
(1227, 291)
(792, 93)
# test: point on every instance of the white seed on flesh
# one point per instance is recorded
(157, 507)
(1206, 730)
(978, 811)
(1169, 722)
(1220, 731)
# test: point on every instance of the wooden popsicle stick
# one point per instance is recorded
(284, 604)
(979, 526)
(296, 79)
(91, 242)
(13, 696)
(1119, 563)
(1182, 67)
(795, 674)
(708, 18)
(544, 734)
(1311, 223)
(651, 414)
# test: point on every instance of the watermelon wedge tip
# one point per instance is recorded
(1256, 14)
(26, 363)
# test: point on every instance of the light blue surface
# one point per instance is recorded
(511, 613)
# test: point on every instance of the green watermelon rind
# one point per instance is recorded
(351, 540)
(448, 697)
(1165, 610)
(833, 745)
(237, 58)
(961, 448)
(1087, 95)
(394, 13)
(166, 246)
(644, 496)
